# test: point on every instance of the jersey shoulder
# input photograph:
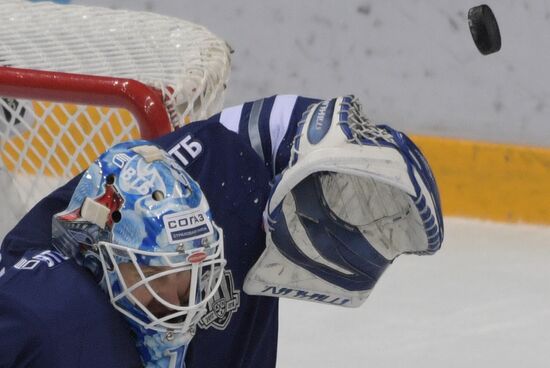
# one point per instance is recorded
(230, 173)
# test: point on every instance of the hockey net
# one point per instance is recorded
(75, 80)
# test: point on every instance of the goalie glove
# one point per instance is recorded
(353, 198)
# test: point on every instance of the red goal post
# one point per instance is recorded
(75, 80)
(143, 102)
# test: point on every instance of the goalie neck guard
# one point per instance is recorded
(353, 197)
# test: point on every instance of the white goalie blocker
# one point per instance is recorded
(354, 197)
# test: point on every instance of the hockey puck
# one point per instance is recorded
(484, 29)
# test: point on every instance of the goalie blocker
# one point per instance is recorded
(353, 198)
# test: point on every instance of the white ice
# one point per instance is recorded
(482, 301)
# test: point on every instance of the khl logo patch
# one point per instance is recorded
(221, 307)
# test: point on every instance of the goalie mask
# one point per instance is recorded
(143, 227)
(354, 197)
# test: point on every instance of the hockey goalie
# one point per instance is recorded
(194, 237)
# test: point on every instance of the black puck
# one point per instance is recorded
(484, 29)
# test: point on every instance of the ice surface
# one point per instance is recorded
(482, 301)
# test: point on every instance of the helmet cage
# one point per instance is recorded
(206, 277)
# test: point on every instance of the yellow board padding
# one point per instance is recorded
(80, 132)
(500, 182)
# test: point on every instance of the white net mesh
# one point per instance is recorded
(43, 143)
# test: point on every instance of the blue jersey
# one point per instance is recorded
(233, 162)
(52, 314)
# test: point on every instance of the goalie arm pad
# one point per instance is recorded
(354, 197)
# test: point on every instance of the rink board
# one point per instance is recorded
(499, 182)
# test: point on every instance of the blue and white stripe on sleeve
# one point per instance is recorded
(268, 125)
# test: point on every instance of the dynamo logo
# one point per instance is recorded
(138, 177)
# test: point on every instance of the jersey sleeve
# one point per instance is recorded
(21, 344)
(268, 125)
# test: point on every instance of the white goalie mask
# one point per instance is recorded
(143, 226)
